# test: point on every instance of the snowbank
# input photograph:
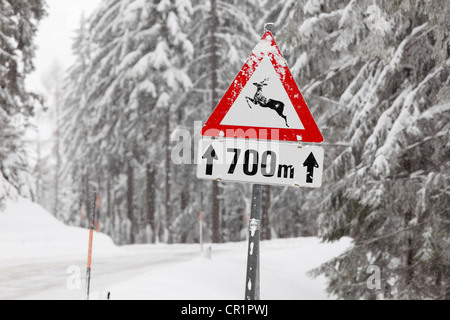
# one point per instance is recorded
(284, 267)
(36, 251)
(28, 232)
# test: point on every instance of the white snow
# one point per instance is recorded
(40, 257)
(284, 266)
(313, 6)
(28, 232)
(376, 20)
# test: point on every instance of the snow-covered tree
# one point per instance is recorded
(223, 36)
(376, 75)
(18, 25)
(49, 189)
(129, 81)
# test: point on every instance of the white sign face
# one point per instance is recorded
(251, 108)
(261, 162)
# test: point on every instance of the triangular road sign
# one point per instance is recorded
(264, 102)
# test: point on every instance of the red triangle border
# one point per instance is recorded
(266, 47)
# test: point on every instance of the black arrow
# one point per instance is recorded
(210, 155)
(310, 163)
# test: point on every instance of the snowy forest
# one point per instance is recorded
(374, 73)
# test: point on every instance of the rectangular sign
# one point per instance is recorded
(261, 162)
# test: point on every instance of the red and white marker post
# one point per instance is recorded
(95, 213)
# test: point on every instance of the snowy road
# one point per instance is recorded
(48, 279)
(41, 258)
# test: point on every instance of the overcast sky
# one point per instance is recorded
(55, 34)
(54, 45)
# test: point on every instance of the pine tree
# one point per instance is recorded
(131, 79)
(379, 72)
(74, 128)
(54, 200)
(18, 26)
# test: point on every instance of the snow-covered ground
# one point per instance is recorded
(41, 258)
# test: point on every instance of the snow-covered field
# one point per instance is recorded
(41, 258)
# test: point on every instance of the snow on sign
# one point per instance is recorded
(262, 162)
(263, 102)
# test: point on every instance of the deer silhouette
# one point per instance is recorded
(264, 102)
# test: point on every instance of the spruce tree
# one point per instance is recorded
(18, 25)
(382, 84)
(130, 77)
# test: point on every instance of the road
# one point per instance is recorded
(53, 279)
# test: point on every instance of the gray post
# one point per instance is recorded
(270, 26)
(94, 213)
(252, 279)
(252, 287)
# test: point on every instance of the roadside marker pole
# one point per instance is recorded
(252, 288)
(95, 212)
(89, 261)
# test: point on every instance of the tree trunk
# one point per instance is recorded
(38, 170)
(185, 192)
(87, 198)
(109, 207)
(130, 192)
(409, 253)
(265, 222)
(215, 206)
(150, 180)
(108, 198)
(167, 203)
(58, 159)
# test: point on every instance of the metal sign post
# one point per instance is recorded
(256, 134)
(252, 280)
